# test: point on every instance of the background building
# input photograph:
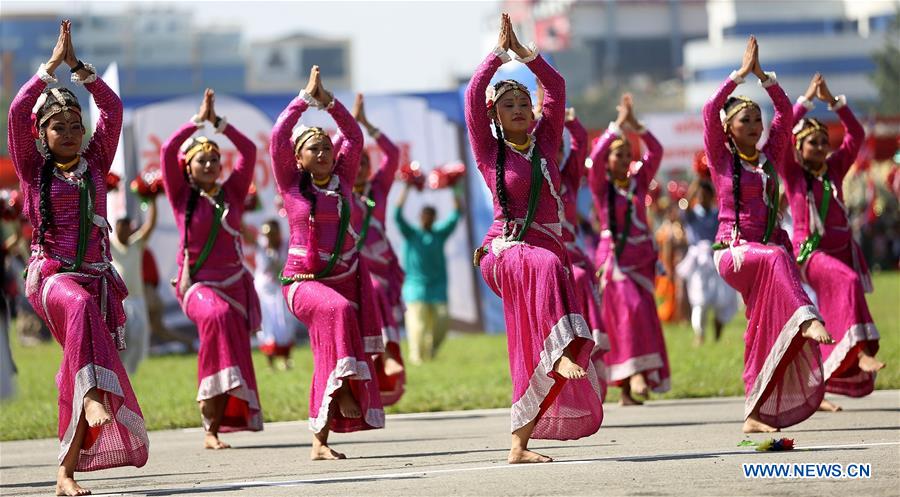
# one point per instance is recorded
(282, 65)
(835, 37)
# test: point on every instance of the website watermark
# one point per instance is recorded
(853, 471)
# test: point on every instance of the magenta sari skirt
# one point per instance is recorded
(782, 370)
(543, 318)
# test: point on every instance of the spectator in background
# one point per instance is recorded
(127, 249)
(276, 336)
(706, 290)
(425, 287)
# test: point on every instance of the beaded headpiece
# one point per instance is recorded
(744, 102)
(806, 127)
(303, 134)
(193, 146)
(493, 93)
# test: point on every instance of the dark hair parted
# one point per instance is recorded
(45, 205)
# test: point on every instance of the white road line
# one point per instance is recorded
(500, 466)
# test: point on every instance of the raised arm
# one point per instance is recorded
(478, 123)
(779, 141)
(445, 228)
(105, 138)
(573, 168)
(597, 177)
(714, 138)
(652, 157)
(173, 178)
(804, 102)
(106, 135)
(390, 160)
(553, 111)
(405, 229)
(347, 157)
(281, 149)
(22, 148)
(840, 161)
(21, 142)
(146, 229)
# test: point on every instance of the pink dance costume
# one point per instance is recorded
(221, 300)
(387, 277)
(70, 279)
(626, 256)
(583, 270)
(782, 369)
(530, 273)
(834, 267)
(339, 308)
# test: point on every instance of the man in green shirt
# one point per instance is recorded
(425, 286)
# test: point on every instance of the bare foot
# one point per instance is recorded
(569, 370)
(868, 363)
(211, 441)
(639, 385)
(347, 403)
(524, 456)
(814, 330)
(95, 412)
(698, 340)
(627, 400)
(752, 425)
(392, 366)
(66, 485)
(829, 406)
(322, 452)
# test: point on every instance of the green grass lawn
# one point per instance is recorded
(471, 372)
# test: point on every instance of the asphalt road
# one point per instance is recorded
(681, 447)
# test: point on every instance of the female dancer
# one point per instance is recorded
(370, 194)
(830, 260)
(627, 258)
(70, 280)
(556, 395)
(326, 284)
(782, 363)
(571, 158)
(214, 288)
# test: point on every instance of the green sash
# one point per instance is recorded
(335, 254)
(370, 207)
(86, 219)
(213, 234)
(623, 237)
(534, 193)
(811, 243)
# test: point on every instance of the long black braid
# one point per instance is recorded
(193, 197)
(45, 205)
(307, 191)
(611, 208)
(736, 168)
(500, 175)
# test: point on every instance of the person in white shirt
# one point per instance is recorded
(127, 248)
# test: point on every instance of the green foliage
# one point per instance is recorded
(887, 71)
(470, 372)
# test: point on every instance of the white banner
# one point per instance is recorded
(115, 200)
(681, 136)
